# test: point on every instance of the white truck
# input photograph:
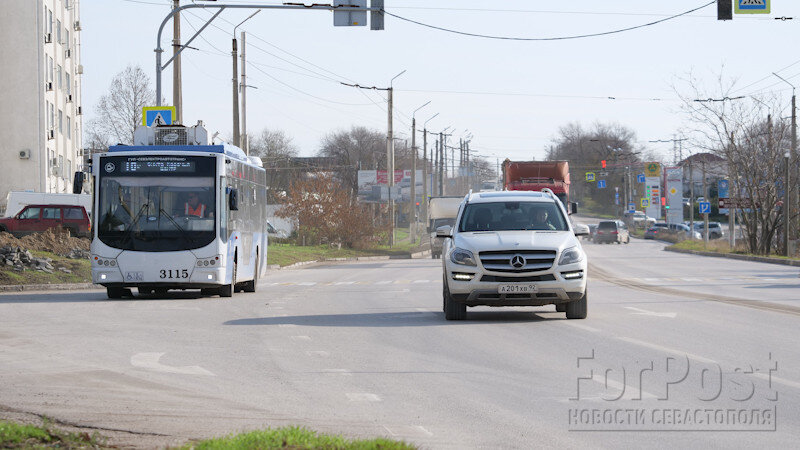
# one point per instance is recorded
(441, 211)
(16, 200)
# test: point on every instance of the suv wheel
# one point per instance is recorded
(452, 309)
(577, 309)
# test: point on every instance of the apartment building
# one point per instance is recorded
(40, 107)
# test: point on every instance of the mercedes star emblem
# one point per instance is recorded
(517, 262)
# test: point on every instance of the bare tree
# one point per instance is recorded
(359, 148)
(585, 149)
(742, 131)
(119, 112)
(277, 152)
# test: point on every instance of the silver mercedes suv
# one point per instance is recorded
(513, 248)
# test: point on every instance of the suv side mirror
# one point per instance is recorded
(573, 208)
(233, 200)
(444, 231)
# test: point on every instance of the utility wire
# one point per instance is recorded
(557, 38)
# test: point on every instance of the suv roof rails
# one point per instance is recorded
(548, 191)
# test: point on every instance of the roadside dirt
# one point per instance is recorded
(53, 240)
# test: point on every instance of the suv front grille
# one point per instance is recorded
(534, 260)
(500, 279)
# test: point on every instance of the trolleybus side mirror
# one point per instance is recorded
(77, 183)
(573, 208)
(233, 200)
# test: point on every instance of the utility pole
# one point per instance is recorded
(412, 227)
(235, 92)
(441, 163)
(177, 89)
(243, 86)
(791, 207)
(425, 177)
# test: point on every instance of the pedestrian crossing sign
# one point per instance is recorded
(752, 6)
(158, 115)
(645, 203)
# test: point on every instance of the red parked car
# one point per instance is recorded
(37, 218)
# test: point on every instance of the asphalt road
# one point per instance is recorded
(677, 351)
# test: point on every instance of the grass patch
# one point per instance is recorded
(295, 438)
(81, 271)
(722, 246)
(13, 435)
(286, 254)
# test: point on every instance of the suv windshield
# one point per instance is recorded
(502, 216)
(607, 226)
(156, 208)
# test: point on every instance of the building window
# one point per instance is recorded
(68, 172)
(69, 128)
(68, 83)
(50, 69)
(66, 35)
(58, 31)
(60, 122)
(59, 77)
(50, 21)
(50, 116)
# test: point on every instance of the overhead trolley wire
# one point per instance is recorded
(555, 38)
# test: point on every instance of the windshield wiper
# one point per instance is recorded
(185, 233)
(129, 231)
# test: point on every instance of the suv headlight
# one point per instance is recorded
(462, 257)
(570, 256)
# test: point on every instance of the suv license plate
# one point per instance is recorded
(516, 289)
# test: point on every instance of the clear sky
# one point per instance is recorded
(512, 96)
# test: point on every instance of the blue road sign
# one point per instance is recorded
(640, 178)
(601, 184)
(705, 207)
(722, 188)
(158, 115)
(631, 206)
(616, 198)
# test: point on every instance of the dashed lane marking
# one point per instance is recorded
(300, 338)
(150, 361)
(362, 397)
(320, 353)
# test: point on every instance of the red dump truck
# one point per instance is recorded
(537, 175)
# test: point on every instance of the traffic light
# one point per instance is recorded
(724, 10)
(664, 201)
(603, 163)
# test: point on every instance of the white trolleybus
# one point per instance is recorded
(171, 212)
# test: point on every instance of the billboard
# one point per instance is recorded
(373, 184)
(674, 188)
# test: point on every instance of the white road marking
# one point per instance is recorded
(667, 350)
(644, 312)
(341, 283)
(784, 381)
(363, 397)
(149, 361)
(692, 280)
(572, 323)
(307, 283)
(421, 281)
(652, 279)
(301, 338)
(421, 428)
(285, 325)
(320, 353)
(342, 372)
(630, 392)
(384, 282)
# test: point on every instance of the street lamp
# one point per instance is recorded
(793, 149)
(412, 227)
(786, 157)
(236, 131)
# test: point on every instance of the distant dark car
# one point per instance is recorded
(38, 218)
(609, 231)
(658, 228)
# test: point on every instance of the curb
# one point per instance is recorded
(49, 287)
(761, 259)
(79, 286)
(300, 264)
